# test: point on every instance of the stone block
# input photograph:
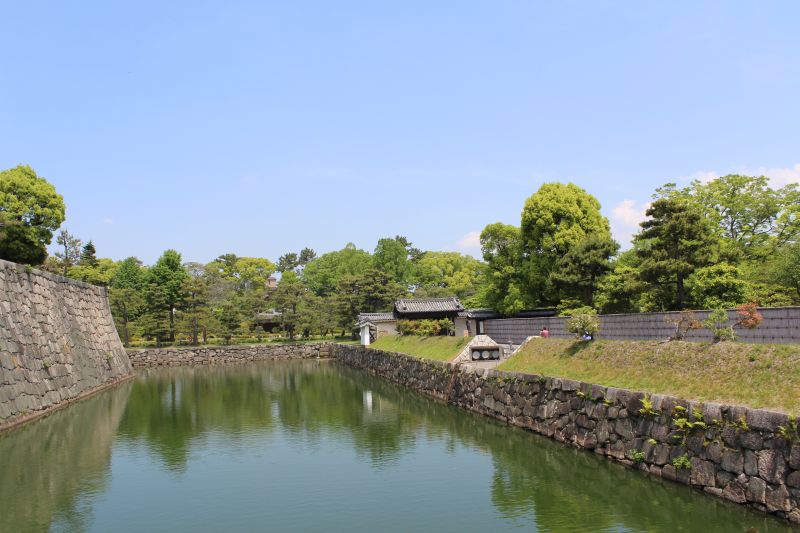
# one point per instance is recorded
(771, 466)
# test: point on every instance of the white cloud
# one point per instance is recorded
(471, 240)
(469, 244)
(779, 176)
(108, 221)
(625, 219)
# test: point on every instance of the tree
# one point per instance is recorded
(753, 218)
(287, 298)
(391, 257)
(306, 256)
(229, 317)
(195, 310)
(502, 251)
(322, 275)
(578, 271)
(674, 241)
(555, 219)
(125, 303)
(71, 247)
(100, 274)
(32, 210)
(440, 274)
(288, 262)
(167, 277)
(786, 269)
(620, 291)
(717, 286)
(126, 294)
(88, 255)
(370, 292)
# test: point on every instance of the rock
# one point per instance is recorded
(714, 452)
(735, 491)
(751, 440)
(732, 461)
(623, 428)
(794, 457)
(765, 420)
(750, 463)
(703, 473)
(771, 466)
(756, 490)
(777, 499)
(793, 479)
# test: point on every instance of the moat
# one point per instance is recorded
(318, 446)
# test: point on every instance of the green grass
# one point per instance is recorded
(439, 348)
(758, 375)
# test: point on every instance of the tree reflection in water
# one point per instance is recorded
(51, 469)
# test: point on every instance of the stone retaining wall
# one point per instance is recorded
(740, 455)
(210, 355)
(58, 342)
(781, 325)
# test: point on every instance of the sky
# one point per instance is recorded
(259, 128)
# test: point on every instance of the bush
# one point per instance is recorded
(717, 324)
(684, 322)
(582, 324)
(749, 317)
(425, 328)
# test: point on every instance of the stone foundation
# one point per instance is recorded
(747, 456)
(212, 355)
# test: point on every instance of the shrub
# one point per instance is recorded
(717, 324)
(582, 324)
(684, 322)
(425, 328)
(749, 317)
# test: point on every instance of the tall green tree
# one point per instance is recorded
(577, 273)
(70, 252)
(554, 220)
(370, 292)
(288, 261)
(88, 255)
(502, 250)
(306, 256)
(674, 241)
(195, 311)
(447, 274)
(391, 257)
(752, 217)
(31, 211)
(167, 277)
(719, 285)
(786, 268)
(322, 275)
(288, 299)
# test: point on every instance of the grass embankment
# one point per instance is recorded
(764, 376)
(438, 348)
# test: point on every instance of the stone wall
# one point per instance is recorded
(58, 342)
(740, 455)
(210, 355)
(781, 325)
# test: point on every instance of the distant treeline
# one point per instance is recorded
(712, 244)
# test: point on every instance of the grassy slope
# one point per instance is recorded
(758, 375)
(438, 348)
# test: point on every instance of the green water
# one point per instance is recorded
(316, 446)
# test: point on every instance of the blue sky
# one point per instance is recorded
(263, 127)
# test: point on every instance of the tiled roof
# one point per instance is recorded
(428, 305)
(479, 313)
(374, 318)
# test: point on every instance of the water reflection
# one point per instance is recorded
(316, 405)
(47, 466)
